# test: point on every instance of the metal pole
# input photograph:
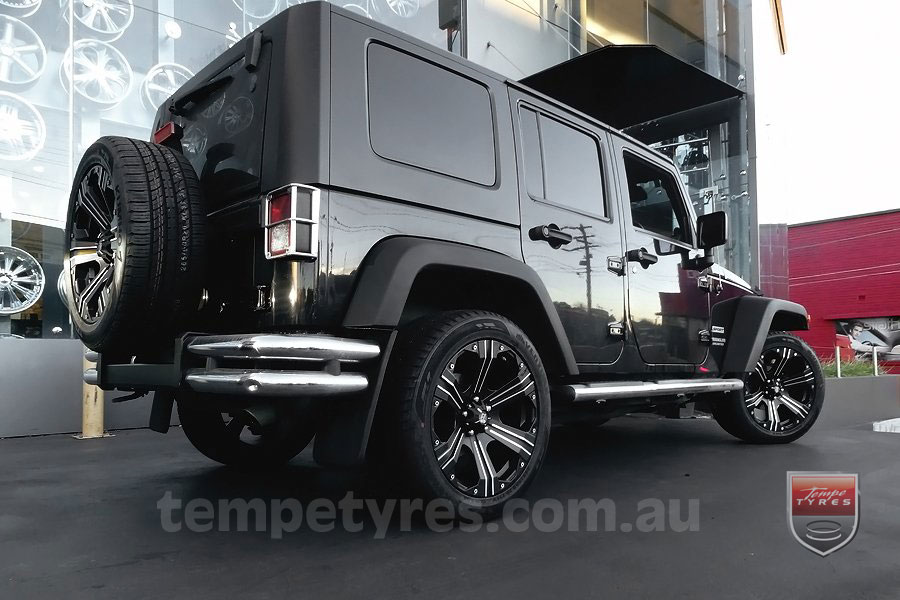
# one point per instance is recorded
(91, 408)
(837, 359)
(875, 360)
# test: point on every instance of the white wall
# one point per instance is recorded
(827, 122)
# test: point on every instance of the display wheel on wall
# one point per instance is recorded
(104, 19)
(161, 82)
(366, 9)
(21, 280)
(257, 9)
(404, 8)
(20, 8)
(194, 140)
(97, 71)
(22, 53)
(238, 115)
(22, 129)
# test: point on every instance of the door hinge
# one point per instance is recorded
(617, 329)
(616, 264)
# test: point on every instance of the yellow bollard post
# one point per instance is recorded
(91, 408)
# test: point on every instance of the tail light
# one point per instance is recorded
(291, 220)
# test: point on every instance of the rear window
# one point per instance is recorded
(429, 117)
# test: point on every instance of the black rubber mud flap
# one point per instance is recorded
(161, 413)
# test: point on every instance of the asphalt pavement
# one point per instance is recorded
(81, 519)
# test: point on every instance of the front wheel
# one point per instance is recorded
(470, 409)
(782, 397)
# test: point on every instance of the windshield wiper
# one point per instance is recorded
(198, 93)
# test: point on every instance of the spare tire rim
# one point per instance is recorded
(484, 418)
(780, 391)
(96, 248)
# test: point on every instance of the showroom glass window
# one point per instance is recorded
(71, 72)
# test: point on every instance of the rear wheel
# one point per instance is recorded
(470, 418)
(237, 438)
(782, 397)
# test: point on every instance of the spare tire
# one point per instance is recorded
(136, 235)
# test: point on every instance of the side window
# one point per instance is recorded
(562, 164)
(656, 203)
(429, 117)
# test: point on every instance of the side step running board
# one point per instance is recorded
(613, 390)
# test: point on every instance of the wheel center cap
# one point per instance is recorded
(6, 50)
(5, 281)
(482, 418)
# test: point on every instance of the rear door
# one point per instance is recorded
(667, 307)
(565, 188)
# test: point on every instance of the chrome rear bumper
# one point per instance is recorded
(255, 382)
(264, 364)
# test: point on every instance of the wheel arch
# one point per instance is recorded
(752, 319)
(404, 277)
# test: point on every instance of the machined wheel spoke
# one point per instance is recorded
(805, 378)
(91, 291)
(487, 352)
(772, 410)
(84, 256)
(449, 389)
(487, 475)
(520, 442)
(798, 408)
(92, 204)
(785, 354)
(761, 371)
(523, 383)
(753, 400)
(447, 453)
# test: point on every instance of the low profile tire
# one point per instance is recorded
(782, 397)
(136, 245)
(234, 439)
(469, 413)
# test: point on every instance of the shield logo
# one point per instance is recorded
(823, 509)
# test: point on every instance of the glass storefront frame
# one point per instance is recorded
(126, 60)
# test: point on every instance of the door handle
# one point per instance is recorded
(642, 256)
(550, 233)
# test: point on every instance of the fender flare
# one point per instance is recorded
(752, 318)
(391, 267)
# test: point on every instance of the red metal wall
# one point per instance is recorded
(845, 269)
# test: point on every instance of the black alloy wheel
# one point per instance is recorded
(484, 418)
(466, 415)
(779, 393)
(782, 396)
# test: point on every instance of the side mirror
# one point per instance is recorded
(712, 230)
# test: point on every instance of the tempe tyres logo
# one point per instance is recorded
(823, 509)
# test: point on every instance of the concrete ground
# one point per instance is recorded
(79, 519)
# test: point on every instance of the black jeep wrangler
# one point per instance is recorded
(343, 233)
